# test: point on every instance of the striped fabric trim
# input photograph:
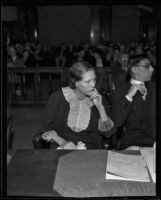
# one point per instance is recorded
(80, 110)
(105, 125)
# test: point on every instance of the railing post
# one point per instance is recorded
(23, 85)
(13, 95)
(62, 77)
(37, 86)
(50, 83)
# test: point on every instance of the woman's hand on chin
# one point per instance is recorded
(96, 98)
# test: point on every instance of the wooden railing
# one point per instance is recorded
(22, 72)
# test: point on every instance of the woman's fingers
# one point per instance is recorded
(81, 145)
(47, 135)
(93, 96)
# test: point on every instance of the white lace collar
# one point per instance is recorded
(70, 96)
(80, 110)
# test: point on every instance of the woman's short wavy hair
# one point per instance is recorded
(77, 70)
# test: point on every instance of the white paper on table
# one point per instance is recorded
(126, 167)
(149, 154)
(80, 146)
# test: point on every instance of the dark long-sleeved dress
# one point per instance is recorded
(63, 116)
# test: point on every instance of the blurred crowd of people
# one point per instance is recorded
(117, 57)
(107, 54)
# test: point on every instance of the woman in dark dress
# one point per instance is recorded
(75, 116)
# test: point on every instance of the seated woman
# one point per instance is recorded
(75, 115)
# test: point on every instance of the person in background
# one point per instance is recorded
(61, 58)
(138, 53)
(29, 59)
(100, 62)
(116, 56)
(38, 55)
(151, 56)
(120, 76)
(124, 61)
(131, 52)
(108, 57)
(47, 60)
(119, 71)
(19, 48)
(79, 56)
(75, 115)
(133, 107)
(89, 57)
(69, 55)
(13, 59)
(114, 61)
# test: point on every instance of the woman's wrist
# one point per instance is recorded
(62, 142)
(56, 138)
(102, 112)
(100, 107)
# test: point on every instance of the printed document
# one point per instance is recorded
(122, 166)
(149, 154)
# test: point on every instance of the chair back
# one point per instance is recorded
(9, 132)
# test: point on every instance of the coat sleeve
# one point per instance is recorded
(150, 116)
(121, 106)
(120, 111)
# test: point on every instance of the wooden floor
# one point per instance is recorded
(27, 116)
(26, 122)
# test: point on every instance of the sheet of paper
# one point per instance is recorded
(149, 154)
(126, 167)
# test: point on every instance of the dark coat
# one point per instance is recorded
(137, 117)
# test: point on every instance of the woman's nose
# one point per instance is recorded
(92, 83)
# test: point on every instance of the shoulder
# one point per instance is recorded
(123, 88)
(151, 87)
(58, 94)
(151, 84)
(56, 99)
(120, 92)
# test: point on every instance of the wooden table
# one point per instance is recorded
(32, 173)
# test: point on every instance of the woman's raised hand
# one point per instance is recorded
(96, 98)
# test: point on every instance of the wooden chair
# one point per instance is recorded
(39, 143)
(9, 132)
